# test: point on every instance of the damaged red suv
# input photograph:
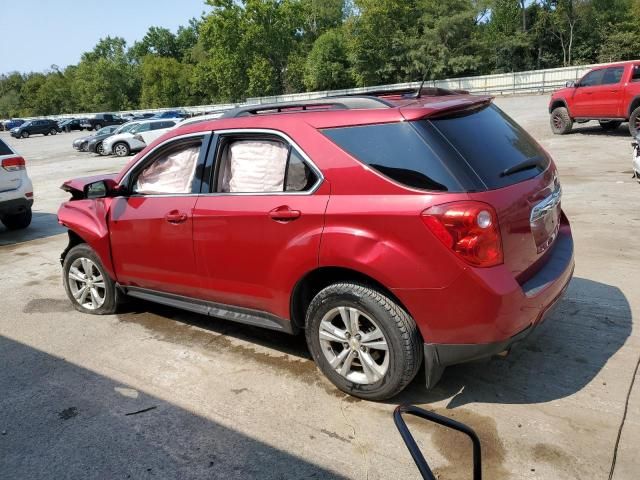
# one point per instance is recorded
(391, 228)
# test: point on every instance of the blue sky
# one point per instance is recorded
(34, 34)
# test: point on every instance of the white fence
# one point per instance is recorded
(533, 81)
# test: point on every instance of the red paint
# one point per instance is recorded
(251, 250)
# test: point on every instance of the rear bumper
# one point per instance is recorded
(486, 311)
(16, 205)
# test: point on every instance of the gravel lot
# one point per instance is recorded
(158, 393)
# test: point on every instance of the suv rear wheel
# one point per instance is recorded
(53, 131)
(86, 282)
(17, 221)
(363, 341)
(634, 122)
(561, 122)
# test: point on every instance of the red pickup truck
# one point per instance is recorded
(609, 94)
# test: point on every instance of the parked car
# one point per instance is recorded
(16, 190)
(609, 94)
(169, 114)
(391, 229)
(82, 144)
(136, 138)
(33, 127)
(72, 124)
(13, 123)
(102, 120)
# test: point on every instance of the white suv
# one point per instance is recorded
(16, 190)
(138, 137)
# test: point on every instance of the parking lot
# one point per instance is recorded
(155, 392)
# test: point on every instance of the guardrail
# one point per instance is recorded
(532, 81)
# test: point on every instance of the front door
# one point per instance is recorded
(151, 228)
(258, 231)
(583, 97)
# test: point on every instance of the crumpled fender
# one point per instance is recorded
(88, 219)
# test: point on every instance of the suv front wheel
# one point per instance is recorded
(363, 341)
(560, 120)
(86, 282)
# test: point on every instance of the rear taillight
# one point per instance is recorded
(14, 163)
(468, 228)
(139, 138)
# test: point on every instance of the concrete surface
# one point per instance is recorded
(154, 392)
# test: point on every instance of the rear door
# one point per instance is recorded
(258, 229)
(151, 227)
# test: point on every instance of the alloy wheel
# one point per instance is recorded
(120, 150)
(86, 283)
(354, 345)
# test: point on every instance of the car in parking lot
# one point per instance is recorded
(82, 144)
(137, 138)
(72, 124)
(392, 229)
(102, 120)
(16, 190)
(13, 123)
(33, 127)
(609, 94)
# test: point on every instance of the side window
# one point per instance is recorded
(592, 78)
(262, 165)
(635, 75)
(171, 171)
(612, 75)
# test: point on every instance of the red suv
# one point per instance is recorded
(389, 228)
(609, 94)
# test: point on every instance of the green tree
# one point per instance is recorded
(327, 66)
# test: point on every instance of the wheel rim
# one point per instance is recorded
(121, 150)
(86, 283)
(100, 149)
(354, 345)
(636, 123)
(557, 122)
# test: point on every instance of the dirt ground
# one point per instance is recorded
(155, 392)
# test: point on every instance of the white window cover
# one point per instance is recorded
(170, 174)
(255, 166)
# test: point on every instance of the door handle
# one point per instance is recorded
(175, 217)
(284, 214)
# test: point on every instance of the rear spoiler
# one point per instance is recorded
(446, 107)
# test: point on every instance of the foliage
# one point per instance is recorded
(244, 48)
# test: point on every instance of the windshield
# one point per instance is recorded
(104, 131)
(126, 127)
(26, 124)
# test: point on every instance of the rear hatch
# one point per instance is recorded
(10, 178)
(512, 172)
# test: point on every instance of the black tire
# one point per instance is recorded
(100, 149)
(53, 131)
(634, 123)
(121, 149)
(112, 295)
(24, 134)
(560, 121)
(399, 329)
(97, 127)
(17, 221)
(609, 125)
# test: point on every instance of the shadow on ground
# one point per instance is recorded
(563, 355)
(593, 129)
(58, 420)
(42, 225)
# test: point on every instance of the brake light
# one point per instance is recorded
(14, 163)
(470, 229)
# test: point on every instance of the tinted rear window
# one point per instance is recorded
(398, 151)
(4, 149)
(490, 142)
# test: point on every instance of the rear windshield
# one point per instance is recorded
(466, 152)
(491, 142)
(4, 149)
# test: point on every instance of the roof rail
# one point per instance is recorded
(347, 102)
(412, 92)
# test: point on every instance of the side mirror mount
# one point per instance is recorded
(101, 189)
